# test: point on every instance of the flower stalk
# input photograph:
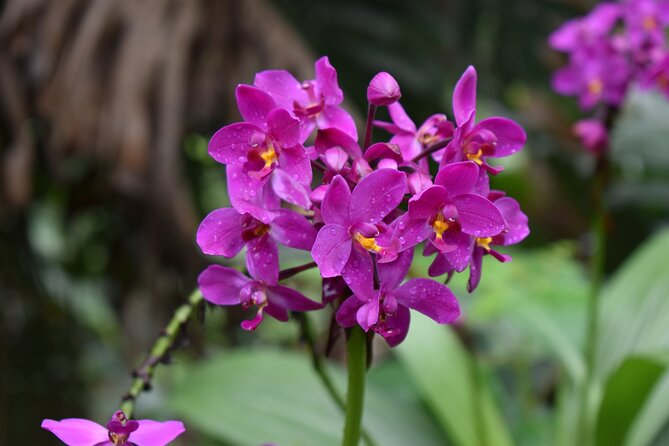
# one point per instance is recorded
(597, 271)
(357, 366)
(159, 350)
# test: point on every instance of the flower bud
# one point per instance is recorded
(592, 134)
(383, 90)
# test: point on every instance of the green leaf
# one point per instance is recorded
(635, 306)
(259, 396)
(633, 321)
(451, 384)
(626, 390)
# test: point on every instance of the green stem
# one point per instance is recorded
(357, 366)
(369, 126)
(321, 369)
(597, 271)
(143, 375)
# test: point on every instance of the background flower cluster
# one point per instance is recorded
(615, 45)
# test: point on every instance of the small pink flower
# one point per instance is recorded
(119, 431)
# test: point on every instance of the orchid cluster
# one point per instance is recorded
(614, 46)
(298, 176)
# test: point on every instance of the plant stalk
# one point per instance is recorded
(143, 375)
(357, 366)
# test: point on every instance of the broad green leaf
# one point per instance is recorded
(625, 392)
(261, 396)
(635, 306)
(536, 313)
(451, 384)
(633, 321)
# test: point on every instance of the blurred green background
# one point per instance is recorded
(106, 108)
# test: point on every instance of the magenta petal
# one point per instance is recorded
(439, 266)
(231, 143)
(510, 136)
(252, 324)
(427, 203)
(254, 105)
(283, 127)
(76, 431)
(400, 118)
(475, 269)
(296, 163)
(566, 81)
(262, 259)
(566, 37)
(409, 145)
(335, 159)
(332, 249)
(220, 233)
(277, 311)
(458, 178)
(431, 298)
(335, 205)
(333, 137)
(464, 97)
(292, 229)
(221, 285)
(391, 274)
(326, 82)
(377, 195)
(282, 86)
(156, 433)
(397, 326)
(410, 232)
(368, 314)
(384, 150)
(359, 273)
(290, 189)
(290, 299)
(333, 116)
(346, 314)
(478, 216)
(460, 249)
(247, 195)
(516, 221)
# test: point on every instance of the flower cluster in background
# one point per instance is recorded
(299, 176)
(614, 46)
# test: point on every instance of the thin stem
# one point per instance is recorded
(317, 360)
(597, 270)
(357, 359)
(290, 272)
(369, 126)
(159, 350)
(431, 149)
(319, 166)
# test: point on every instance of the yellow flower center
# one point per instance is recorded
(369, 243)
(118, 439)
(484, 242)
(649, 23)
(476, 157)
(439, 225)
(427, 138)
(595, 87)
(269, 156)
